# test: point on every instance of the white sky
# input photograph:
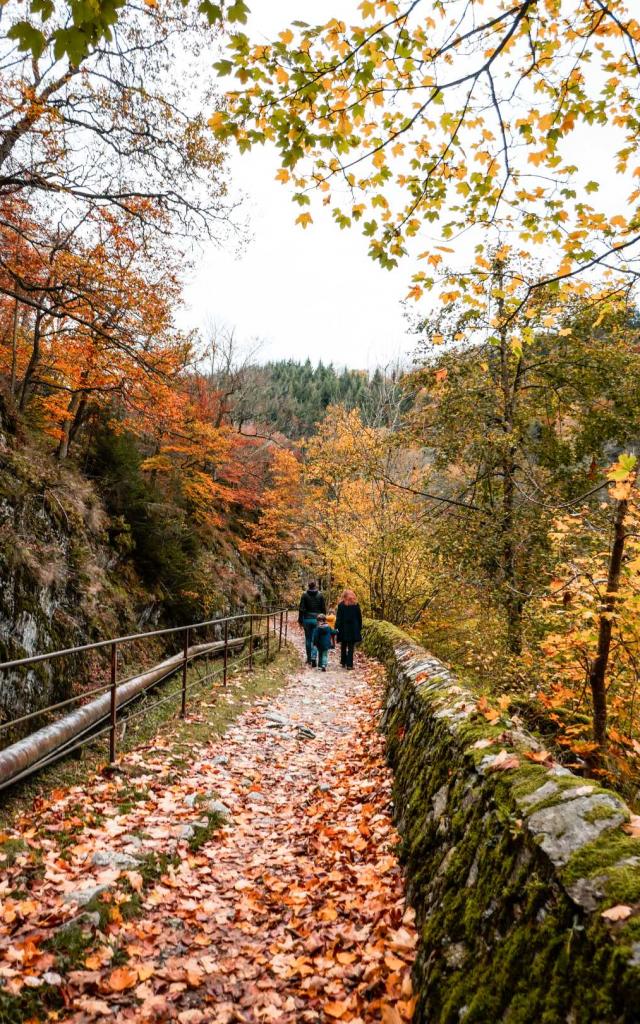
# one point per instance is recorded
(311, 292)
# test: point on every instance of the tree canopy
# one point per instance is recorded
(440, 118)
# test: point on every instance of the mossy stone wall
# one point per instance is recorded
(509, 870)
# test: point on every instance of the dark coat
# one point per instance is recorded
(321, 637)
(312, 603)
(349, 623)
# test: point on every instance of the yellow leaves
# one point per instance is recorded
(368, 9)
(538, 157)
(283, 175)
(304, 219)
(379, 158)
(344, 126)
(217, 120)
(619, 221)
(437, 339)
(282, 76)
(545, 122)
(286, 36)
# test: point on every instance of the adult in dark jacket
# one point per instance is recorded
(312, 604)
(349, 627)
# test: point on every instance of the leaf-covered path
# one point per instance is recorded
(289, 907)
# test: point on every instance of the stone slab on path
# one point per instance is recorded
(291, 909)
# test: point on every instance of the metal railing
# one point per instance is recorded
(255, 632)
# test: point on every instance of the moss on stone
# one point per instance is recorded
(501, 938)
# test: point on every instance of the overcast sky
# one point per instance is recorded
(312, 292)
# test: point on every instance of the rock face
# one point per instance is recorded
(62, 583)
(509, 869)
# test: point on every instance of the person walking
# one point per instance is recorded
(322, 641)
(349, 627)
(312, 604)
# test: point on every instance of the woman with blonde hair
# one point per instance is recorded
(349, 627)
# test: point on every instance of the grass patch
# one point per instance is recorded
(70, 945)
(10, 849)
(202, 833)
(153, 866)
(210, 709)
(33, 1004)
(132, 907)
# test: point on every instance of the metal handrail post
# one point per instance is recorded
(281, 627)
(226, 652)
(268, 635)
(114, 702)
(286, 625)
(251, 643)
(185, 662)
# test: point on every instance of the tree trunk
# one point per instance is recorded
(598, 671)
(14, 350)
(508, 386)
(72, 411)
(33, 361)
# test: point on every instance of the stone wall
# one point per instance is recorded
(510, 864)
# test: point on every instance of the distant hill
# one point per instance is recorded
(292, 397)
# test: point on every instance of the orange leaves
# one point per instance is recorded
(122, 978)
(336, 1010)
(490, 713)
(539, 757)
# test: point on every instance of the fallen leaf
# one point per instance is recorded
(503, 761)
(145, 971)
(632, 826)
(389, 1014)
(618, 913)
(539, 756)
(336, 1010)
(122, 978)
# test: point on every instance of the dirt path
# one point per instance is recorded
(254, 880)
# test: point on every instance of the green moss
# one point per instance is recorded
(500, 937)
(203, 833)
(153, 866)
(33, 1004)
(71, 945)
(597, 813)
(132, 907)
(10, 850)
